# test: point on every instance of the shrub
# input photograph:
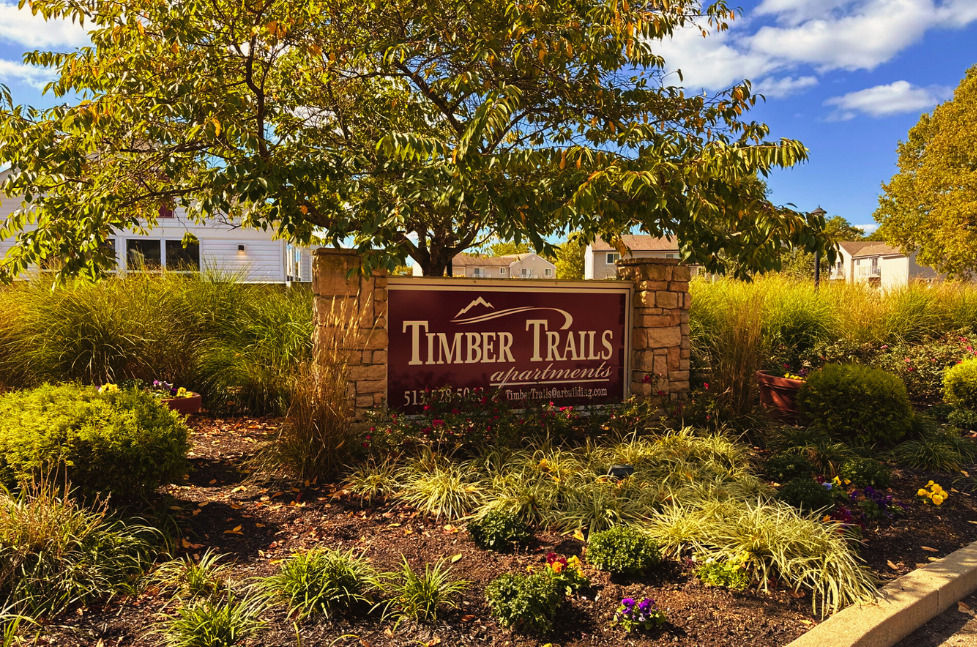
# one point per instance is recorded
(727, 573)
(865, 471)
(785, 467)
(960, 385)
(499, 531)
(214, 623)
(526, 603)
(320, 581)
(857, 403)
(56, 553)
(418, 596)
(805, 493)
(123, 443)
(963, 418)
(623, 550)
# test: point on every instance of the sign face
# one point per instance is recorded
(536, 343)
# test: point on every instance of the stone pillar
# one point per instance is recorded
(351, 323)
(660, 326)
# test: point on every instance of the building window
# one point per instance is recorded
(524, 273)
(476, 272)
(180, 258)
(502, 271)
(143, 254)
(548, 272)
(613, 257)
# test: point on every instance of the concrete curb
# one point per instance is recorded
(906, 605)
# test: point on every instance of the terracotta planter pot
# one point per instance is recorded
(779, 395)
(184, 405)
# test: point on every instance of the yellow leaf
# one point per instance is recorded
(455, 558)
(272, 28)
(142, 30)
(931, 550)
(577, 534)
(236, 530)
(217, 128)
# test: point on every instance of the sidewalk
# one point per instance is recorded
(956, 627)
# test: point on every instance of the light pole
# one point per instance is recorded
(820, 213)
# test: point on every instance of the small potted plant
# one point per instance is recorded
(778, 392)
(176, 398)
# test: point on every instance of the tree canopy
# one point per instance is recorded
(930, 205)
(409, 129)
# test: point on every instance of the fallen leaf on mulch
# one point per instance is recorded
(928, 549)
(891, 565)
(964, 608)
(236, 530)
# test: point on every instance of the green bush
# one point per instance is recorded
(623, 550)
(785, 467)
(320, 581)
(499, 531)
(805, 493)
(125, 443)
(960, 385)
(527, 603)
(963, 419)
(857, 404)
(727, 573)
(865, 471)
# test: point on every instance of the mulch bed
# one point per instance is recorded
(230, 507)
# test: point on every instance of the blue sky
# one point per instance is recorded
(846, 77)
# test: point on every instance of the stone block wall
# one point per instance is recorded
(660, 326)
(351, 324)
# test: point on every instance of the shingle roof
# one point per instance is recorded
(878, 249)
(855, 246)
(640, 243)
(469, 260)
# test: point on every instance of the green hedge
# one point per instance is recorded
(858, 404)
(124, 443)
(960, 385)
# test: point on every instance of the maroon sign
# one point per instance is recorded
(565, 343)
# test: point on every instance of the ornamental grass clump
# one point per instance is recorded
(783, 545)
(221, 622)
(623, 550)
(191, 579)
(320, 581)
(418, 595)
(55, 552)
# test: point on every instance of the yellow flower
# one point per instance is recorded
(930, 483)
(922, 492)
(937, 499)
(557, 567)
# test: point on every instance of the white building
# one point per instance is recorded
(600, 257)
(865, 261)
(511, 266)
(252, 255)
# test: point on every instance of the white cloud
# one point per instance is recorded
(816, 35)
(11, 72)
(711, 62)
(864, 37)
(885, 100)
(22, 27)
(784, 86)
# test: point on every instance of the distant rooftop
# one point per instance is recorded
(640, 243)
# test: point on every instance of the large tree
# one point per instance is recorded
(930, 205)
(407, 128)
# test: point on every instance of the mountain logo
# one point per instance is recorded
(477, 302)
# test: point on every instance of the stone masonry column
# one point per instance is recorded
(350, 312)
(660, 326)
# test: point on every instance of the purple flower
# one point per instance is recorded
(645, 605)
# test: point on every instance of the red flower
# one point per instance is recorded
(647, 378)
